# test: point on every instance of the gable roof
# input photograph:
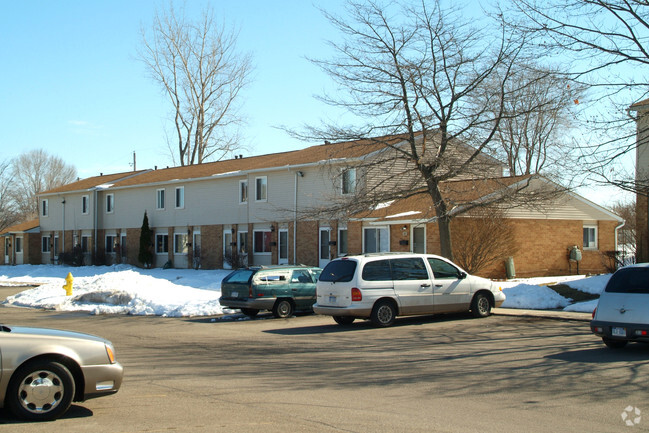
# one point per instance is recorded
(303, 157)
(21, 227)
(419, 206)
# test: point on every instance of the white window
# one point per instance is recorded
(180, 197)
(590, 237)
(19, 245)
(160, 199)
(261, 188)
(349, 181)
(161, 243)
(261, 242)
(110, 203)
(180, 243)
(111, 240)
(243, 191)
(45, 208)
(45, 244)
(376, 240)
(242, 245)
(85, 204)
(342, 241)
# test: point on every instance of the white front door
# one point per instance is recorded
(282, 257)
(325, 249)
(419, 240)
(7, 239)
(227, 248)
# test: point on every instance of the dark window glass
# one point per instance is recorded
(241, 276)
(339, 271)
(443, 270)
(378, 270)
(409, 269)
(629, 280)
(301, 276)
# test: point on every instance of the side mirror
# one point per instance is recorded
(462, 275)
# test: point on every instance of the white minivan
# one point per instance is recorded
(381, 286)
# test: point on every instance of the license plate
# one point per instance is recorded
(618, 332)
(235, 294)
(332, 299)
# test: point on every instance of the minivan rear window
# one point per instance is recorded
(339, 271)
(629, 280)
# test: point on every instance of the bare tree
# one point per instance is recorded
(486, 237)
(533, 135)
(33, 172)
(606, 46)
(202, 73)
(8, 214)
(410, 75)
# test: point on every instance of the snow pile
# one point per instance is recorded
(124, 289)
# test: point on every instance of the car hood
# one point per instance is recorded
(46, 332)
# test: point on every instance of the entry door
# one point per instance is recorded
(413, 285)
(7, 250)
(283, 247)
(419, 240)
(325, 249)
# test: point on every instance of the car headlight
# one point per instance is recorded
(111, 353)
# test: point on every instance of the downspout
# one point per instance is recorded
(94, 223)
(63, 234)
(616, 236)
(300, 174)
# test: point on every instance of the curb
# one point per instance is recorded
(544, 314)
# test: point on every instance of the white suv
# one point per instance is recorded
(385, 285)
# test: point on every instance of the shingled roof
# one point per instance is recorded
(21, 227)
(309, 155)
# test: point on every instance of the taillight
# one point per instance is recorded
(356, 294)
(250, 294)
(594, 311)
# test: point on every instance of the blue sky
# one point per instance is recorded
(71, 83)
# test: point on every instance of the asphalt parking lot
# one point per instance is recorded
(506, 373)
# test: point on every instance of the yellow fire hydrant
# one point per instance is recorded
(68, 284)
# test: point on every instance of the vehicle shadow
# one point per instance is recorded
(74, 412)
(633, 352)
(360, 324)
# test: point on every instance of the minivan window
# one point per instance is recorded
(409, 269)
(629, 280)
(242, 276)
(301, 276)
(378, 270)
(339, 271)
(443, 270)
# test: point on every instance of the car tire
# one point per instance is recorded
(250, 312)
(614, 344)
(344, 320)
(383, 313)
(40, 390)
(283, 308)
(480, 306)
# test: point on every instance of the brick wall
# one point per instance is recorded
(212, 246)
(307, 242)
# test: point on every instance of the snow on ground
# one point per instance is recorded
(123, 289)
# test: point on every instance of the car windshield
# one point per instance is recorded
(629, 280)
(338, 271)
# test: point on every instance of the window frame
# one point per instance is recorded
(264, 189)
(160, 198)
(109, 247)
(346, 189)
(266, 249)
(45, 208)
(378, 229)
(179, 200)
(85, 204)
(18, 244)
(343, 242)
(110, 203)
(165, 244)
(592, 245)
(184, 249)
(243, 191)
(46, 244)
(245, 243)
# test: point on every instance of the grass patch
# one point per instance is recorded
(574, 294)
